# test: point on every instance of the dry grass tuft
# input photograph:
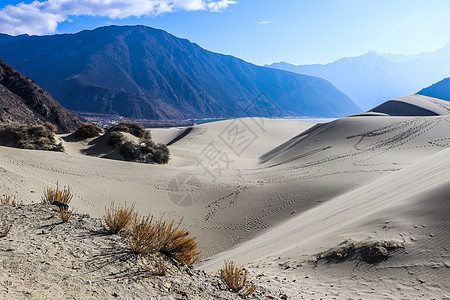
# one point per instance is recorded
(148, 234)
(118, 218)
(63, 195)
(177, 243)
(10, 200)
(143, 236)
(65, 214)
(5, 231)
(236, 279)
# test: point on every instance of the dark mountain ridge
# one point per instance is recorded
(22, 101)
(142, 72)
(439, 90)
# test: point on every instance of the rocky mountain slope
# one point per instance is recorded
(142, 72)
(21, 100)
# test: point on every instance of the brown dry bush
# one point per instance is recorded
(5, 231)
(118, 218)
(177, 243)
(236, 279)
(148, 234)
(10, 200)
(35, 137)
(63, 195)
(88, 130)
(143, 236)
(65, 214)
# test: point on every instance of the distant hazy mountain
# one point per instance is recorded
(22, 101)
(373, 78)
(439, 90)
(141, 72)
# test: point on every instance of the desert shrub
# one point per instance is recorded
(135, 129)
(63, 195)
(177, 243)
(148, 234)
(5, 231)
(10, 200)
(369, 252)
(145, 152)
(115, 139)
(118, 218)
(65, 214)
(88, 130)
(143, 236)
(236, 279)
(161, 154)
(36, 137)
(131, 151)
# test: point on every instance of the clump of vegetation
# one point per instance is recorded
(373, 252)
(236, 279)
(10, 200)
(146, 151)
(5, 231)
(149, 236)
(57, 195)
(143, 237)
(115, 139)
(135, 129)
(35, 137)
(118, 218)
(88, 130)
(176, 242)
(65, 214)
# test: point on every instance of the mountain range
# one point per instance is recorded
(374, 78)
(439, 90)
(142, 72)
(22, 101)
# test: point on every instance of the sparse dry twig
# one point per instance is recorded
(5, 231)
(153, 264)
(10, 200)
(65, 214)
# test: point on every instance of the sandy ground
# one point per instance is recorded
(274, 193)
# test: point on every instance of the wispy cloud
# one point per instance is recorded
(265, 22)
(42, 17)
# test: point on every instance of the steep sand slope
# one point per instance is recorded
(386, 209)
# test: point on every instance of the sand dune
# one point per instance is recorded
(260, 189)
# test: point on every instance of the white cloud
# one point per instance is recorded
(43, 17)
(265, 22)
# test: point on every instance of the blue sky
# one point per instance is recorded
(259, 31)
